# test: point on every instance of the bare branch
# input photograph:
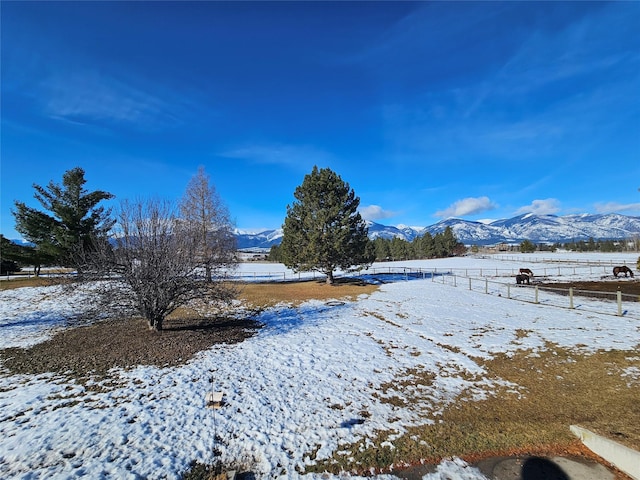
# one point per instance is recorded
(154, 264)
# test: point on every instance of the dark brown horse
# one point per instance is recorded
(522, 278)
(623, 269)
(525, 271)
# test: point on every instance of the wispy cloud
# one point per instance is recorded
(467, 206)
(613, 207)
(375, 212)
(543, 93)
(548, 206)
(296, 157)
(86, 97)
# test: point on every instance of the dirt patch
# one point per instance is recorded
(628, 288)
(94, 349)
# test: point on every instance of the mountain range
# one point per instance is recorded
(535, 228)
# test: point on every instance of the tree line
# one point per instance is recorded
(442, 244)
(590, 245)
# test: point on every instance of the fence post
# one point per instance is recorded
(486, 285)
(619, 295)
(570, 297)
(536, 289)
(508, 290)
(469, 283)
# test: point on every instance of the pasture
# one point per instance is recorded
(315, 378)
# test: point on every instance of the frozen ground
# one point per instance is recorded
(304, 384)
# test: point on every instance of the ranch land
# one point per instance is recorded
(360, 377)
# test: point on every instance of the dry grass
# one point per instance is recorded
(25, 282)
(557, 388)
(265, 295)
(43, 280)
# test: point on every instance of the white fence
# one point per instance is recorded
(580, 271)
(491, 281)
(611, 303)
(499, 282)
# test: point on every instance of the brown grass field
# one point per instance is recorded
(557, 388)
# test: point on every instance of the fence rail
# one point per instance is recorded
(541, 259)
(609, 303)
(484, 280)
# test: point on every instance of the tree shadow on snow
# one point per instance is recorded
(284, 320)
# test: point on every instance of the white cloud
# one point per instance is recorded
(548, 206)
(467, 206)
(375, 212)
(294, 156)
(611, 207)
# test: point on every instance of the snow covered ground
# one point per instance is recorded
(303, 385)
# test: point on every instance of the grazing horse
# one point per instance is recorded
(522, 278)
(623, 269)
(525, 271)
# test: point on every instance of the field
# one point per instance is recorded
(316, 378)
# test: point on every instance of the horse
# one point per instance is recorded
(525, 271)
(623, 269)
(522, 278)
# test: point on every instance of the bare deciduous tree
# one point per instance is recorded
(154, 264)
(203, 210)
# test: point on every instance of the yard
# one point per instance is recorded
(315, 378)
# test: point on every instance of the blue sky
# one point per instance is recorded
(479, 110)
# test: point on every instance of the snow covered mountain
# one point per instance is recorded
(542, 228)
(264, 239)
(401, 231)
(536, 228)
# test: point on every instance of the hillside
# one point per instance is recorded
(536, 228)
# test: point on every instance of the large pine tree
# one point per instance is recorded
(74, 220)
(323, 230)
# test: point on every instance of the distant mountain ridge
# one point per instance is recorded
(535, 228)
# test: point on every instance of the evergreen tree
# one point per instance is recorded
(449, 242)
(21, 255)
(323, 230)
(425, 246)
(382, 249)
(400, 249)
(74, 222)
(275, 255)
(527, 246)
